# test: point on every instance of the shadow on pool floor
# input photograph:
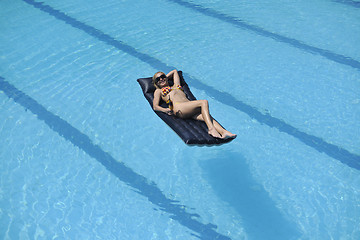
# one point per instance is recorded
(231, 180)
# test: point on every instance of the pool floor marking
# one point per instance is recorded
(260, 31)
(336, 152)
(125, 174)
(317, 143)
(349, 2)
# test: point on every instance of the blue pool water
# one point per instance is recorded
(82, 155)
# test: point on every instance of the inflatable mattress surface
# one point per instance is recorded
(191, 131)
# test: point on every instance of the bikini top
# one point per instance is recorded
(166, 90)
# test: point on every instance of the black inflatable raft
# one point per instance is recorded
(191, 131)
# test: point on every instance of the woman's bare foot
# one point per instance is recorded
(214, 133)
(226, 134)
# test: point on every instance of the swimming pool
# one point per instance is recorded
(84, 157)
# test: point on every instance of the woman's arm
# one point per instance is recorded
(156, 102)
(175, 76)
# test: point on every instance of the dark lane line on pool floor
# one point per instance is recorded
(139, 183)
(314, 142)
(260, 31)
(348, 2)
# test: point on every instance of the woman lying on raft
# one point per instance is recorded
(182, 107)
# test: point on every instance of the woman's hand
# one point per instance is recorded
(168, 111)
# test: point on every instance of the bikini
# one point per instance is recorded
(166, 90)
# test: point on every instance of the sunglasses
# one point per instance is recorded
(160, 77)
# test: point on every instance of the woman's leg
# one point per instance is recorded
(224, 133)
(193, 109)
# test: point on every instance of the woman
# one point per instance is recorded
(183, 107)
